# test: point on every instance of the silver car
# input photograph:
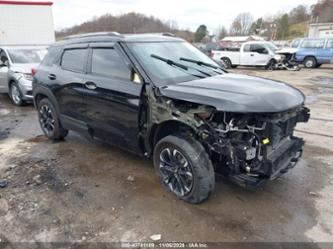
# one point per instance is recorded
(16, 63)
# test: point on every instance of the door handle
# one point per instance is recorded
(90, 85)
(252, 54)
(52, 76)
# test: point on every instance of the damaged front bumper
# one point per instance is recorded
(276, 162)
(254, 148)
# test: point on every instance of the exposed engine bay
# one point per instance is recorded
(249, 148)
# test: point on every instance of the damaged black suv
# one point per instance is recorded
(158, 96)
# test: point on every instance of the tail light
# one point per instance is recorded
(33, 71)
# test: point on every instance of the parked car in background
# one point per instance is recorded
(207, 48)
(313, 52)
(254, 53)
(160, 97)
(16, 63)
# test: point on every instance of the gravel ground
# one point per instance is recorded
(80, 190)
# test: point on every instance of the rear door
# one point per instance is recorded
(111, 98)
(67, 80)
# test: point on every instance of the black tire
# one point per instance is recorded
(271, 65)
(201, 184)
(227, 62)
(15, 94)
(49, 120)
(310, 62)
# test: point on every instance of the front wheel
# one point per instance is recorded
(49, 120)
(15, 94)
(271, 65)
(184, 168)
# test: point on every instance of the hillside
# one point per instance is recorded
(126, 23)
(298, 30)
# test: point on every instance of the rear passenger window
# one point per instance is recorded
(317, 43)
(107, 62)
(74, 59)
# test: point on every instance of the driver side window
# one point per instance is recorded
(256, 48)
(3, 58)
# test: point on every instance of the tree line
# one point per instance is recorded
(126, 23)
(275, 26)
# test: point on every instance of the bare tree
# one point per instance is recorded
(299, 14)
(242, 24)
(322, 11)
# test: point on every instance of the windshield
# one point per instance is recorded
(162, 72)
(25, 56)
(272, 47)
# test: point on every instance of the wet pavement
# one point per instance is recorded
(80, 190)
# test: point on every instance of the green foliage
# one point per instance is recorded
(283, 27)
(200, 33)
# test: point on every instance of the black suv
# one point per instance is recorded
(158, 96)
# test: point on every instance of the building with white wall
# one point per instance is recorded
(26, 23)
(320, 30)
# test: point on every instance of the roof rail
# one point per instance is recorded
(93, 34)
(168, 34)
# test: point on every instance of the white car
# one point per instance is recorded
(16, 63)
(254, 53)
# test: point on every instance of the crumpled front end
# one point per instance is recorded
(253, 148)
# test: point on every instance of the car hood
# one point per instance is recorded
(237, 93)
(23, 68)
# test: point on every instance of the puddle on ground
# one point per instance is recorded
(324, 83)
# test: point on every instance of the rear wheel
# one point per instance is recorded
(310, 62)
(15, 94)
(49, 120)
(184, 168)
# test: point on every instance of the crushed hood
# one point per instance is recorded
(237, 93)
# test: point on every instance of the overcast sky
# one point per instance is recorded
(187, 13)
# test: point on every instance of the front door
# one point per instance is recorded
(3, 72)
(111, 98)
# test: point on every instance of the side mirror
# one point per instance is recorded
(135, 77)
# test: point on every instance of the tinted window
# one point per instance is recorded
(74, 59)
(247, 48)
(318, 43)
(295, 43)
(258, 48)
(51, 56)
(330, 43)
(107, 62)
(24, 56)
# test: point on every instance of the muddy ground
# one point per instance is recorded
(79, 190)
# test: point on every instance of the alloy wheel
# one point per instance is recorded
(176, 171)
(46, 119)
(15, 94)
